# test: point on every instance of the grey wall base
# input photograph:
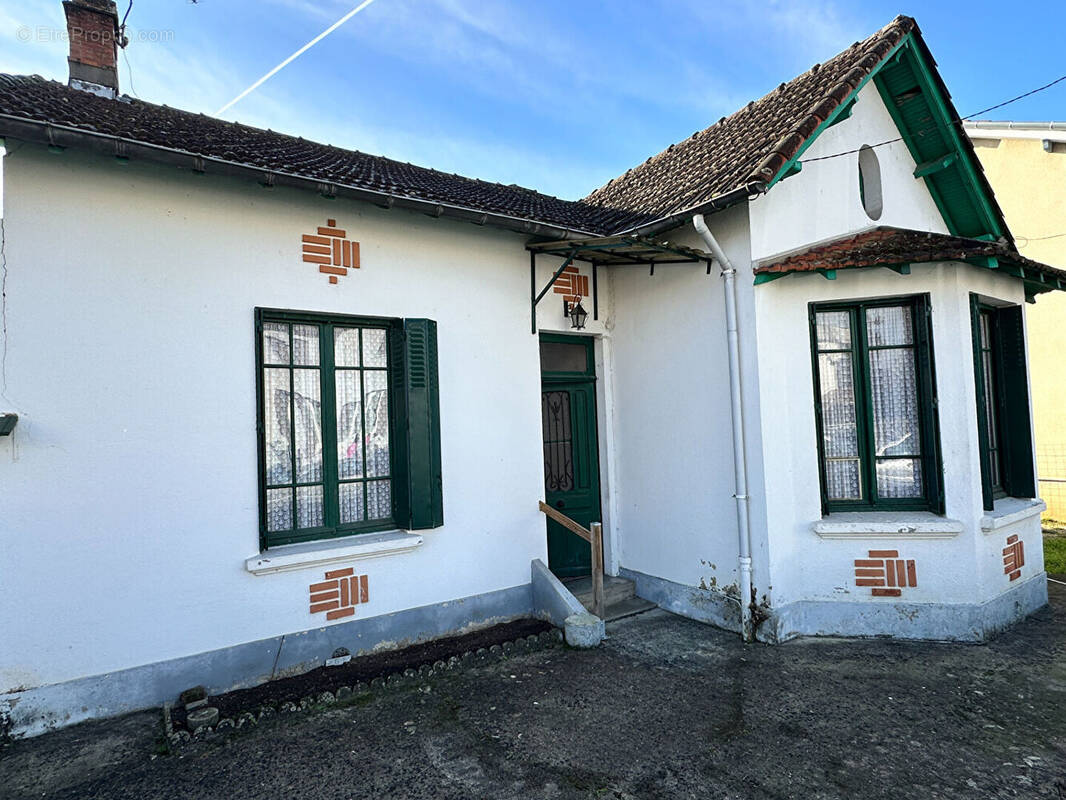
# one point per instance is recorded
(975, 622)
(688, 601)
(551, 598)
(37, 710)
(957, 622)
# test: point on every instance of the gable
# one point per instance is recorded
(928, 125)
(741, 154)
(822, 201)
(915, 96)
(762, 144)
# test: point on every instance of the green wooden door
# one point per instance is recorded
(571, 455)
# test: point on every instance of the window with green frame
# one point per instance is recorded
(875, 405)
(349, 425)
(1005, 435)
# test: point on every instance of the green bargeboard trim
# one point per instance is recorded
(962, 171)
(907, 50)
(839, 114)
(330, 480)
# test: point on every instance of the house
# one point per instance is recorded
(268, 398)
(1014, 154)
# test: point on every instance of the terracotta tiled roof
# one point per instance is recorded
(747, 148)
(34, 98)
(750, 146)
(886, 246)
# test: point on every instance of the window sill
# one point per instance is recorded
(1008, 510)
(886, 525)
(330, 551)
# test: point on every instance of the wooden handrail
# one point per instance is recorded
(566, 522)
(594, 536)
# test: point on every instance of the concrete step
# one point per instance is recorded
(629, 607)
(614, 589)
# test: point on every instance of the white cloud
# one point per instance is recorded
(578, 103)
(33, 39)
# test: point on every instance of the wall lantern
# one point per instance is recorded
(577, 314)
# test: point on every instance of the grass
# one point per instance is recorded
(1055, 554)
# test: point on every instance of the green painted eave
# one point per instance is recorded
(839, 114)
(1035, 281)
(929, 126)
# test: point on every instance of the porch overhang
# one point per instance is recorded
(898, 249)
(606, 251)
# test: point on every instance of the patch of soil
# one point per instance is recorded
(362, 668)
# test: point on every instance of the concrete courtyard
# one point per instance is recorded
(665, 707)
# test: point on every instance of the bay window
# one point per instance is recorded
(875, 405)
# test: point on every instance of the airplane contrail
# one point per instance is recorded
(295, 55)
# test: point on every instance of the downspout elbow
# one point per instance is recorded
(700, 224)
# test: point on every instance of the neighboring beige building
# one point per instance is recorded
(1026, 164)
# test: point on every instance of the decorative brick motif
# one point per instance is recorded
(1013, 557)
(885, 573)
(339, 594)
(572, 284)
(331, 250)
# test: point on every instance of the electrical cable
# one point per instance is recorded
(954, 122)
(129, 73)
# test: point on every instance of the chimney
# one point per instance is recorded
(92, 29)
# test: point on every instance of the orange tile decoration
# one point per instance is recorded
(1013, 557)
(885, 573)
(330, 248)
(339, 594)
(572, 284)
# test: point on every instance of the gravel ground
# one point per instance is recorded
(666, 707)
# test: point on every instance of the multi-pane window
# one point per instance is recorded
(349, 425)
(874, 403)
(1003, 430)
(326, 430)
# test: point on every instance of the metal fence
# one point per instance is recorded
(1051, 470)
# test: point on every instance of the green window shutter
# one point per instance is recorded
(423, 425)
(929, 405)
(401, 485)
(1017, 431)
(982, 401)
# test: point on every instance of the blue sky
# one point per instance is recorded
(557, 96)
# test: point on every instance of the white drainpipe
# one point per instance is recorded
(740, 461)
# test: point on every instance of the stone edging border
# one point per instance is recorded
(175, 739)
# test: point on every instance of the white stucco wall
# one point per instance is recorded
(677, 517)
(822, 201)
(819, 204)
(130, 484)
(965, 569)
